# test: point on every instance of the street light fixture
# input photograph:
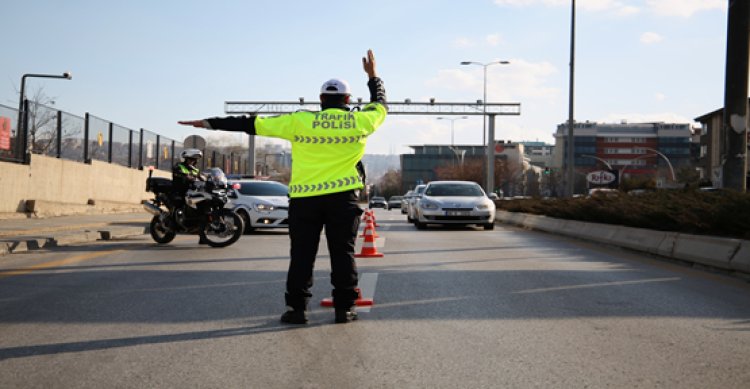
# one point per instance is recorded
(453, 121)
(598, 159)
(486, 142)
(484, 98)
(21, 128)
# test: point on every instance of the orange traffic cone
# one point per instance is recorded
(369, 226)
(372, 216)
(368, 246)
(360, 301)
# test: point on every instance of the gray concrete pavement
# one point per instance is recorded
(21, 235)
(454, 308)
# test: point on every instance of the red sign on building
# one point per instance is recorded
(4, 133)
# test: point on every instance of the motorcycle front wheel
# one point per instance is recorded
(160, 232)
(225, 229)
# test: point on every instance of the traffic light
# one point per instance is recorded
(547, 171)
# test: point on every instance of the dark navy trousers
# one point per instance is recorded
(339, 214)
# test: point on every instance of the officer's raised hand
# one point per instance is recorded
(369, 64)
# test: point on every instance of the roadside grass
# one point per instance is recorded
(722, 213)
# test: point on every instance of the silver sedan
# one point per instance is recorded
(456, 203)
(261, 204)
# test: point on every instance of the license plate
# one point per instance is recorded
(457, 213)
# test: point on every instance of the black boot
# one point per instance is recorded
(345, 315)
(294, 317)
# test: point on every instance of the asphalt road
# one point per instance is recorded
(454, 308)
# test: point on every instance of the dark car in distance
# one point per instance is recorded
(378, 202)
(394, 202)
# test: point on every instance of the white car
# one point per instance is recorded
(411, 212)
(261, 204)
(454, 202)
(405, 202)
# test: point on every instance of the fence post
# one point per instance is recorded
(59, 134)
(130, 149)
(140, 151)
(109, 149)
(171, 156)
(158, 151)
(24, 154)
(86, 139)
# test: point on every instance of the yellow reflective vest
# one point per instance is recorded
(326, 146)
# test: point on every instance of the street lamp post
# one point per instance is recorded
(486, 142)
(656, 152)
(453, 121)
(598, 159)
(671, 169)
(21, 128)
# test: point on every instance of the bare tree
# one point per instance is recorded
(389, 184)
(41, 122)
(469, 170)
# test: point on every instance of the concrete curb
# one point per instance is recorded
(65, 238)
(722, 253)
(741, 260)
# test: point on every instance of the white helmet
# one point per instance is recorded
(191, 153)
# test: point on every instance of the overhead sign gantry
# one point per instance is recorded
(406, 107)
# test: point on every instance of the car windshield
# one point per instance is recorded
(420, 189)
(454, 190)
(378, 199)
(263, 188)
(395, 198)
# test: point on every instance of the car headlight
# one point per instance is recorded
(261, 207)
(483, 207)
(428, 205)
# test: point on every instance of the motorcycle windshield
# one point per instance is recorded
(216, 176)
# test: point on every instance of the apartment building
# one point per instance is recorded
(655, 150)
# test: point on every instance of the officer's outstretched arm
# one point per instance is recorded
(230, 123)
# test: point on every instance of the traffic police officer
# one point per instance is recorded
(324, 186)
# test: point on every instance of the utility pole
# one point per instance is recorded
(570, 160)
(735, 120)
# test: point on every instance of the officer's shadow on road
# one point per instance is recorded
(92, 345)
(158, 297)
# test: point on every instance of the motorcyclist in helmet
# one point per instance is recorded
(185, 173)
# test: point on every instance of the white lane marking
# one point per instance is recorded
(367, 282)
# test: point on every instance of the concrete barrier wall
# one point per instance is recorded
(52, 186)
(723, 253)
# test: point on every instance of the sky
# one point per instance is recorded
(148, 64)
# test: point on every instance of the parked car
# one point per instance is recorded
(405, 202)
(378, 202)
(261, 204)
(454, 202)
(411, 206)
(394, 202)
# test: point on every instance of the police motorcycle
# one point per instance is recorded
(203, 211)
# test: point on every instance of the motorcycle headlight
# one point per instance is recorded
(428, 205)
(261, 207)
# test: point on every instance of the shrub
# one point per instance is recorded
(722, 213)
